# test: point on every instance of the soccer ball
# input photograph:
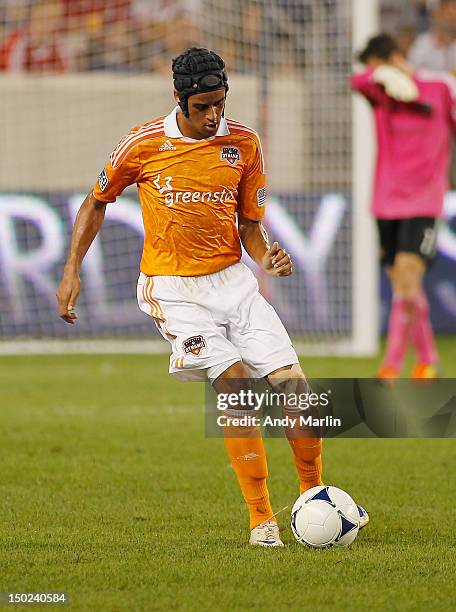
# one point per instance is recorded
(325, 516)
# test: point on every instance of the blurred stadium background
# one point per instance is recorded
(77, 74)
(110, 490)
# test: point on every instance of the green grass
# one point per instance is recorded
(110, 491)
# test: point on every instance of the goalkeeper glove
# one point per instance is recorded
(396, 83)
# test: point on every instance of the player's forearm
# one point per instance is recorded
(254, 239)
(362, 83)
(87, 225)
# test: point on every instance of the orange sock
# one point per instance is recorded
(248, 459)
(307, 458)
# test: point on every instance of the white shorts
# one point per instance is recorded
(214, 321)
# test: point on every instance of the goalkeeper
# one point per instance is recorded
(415, 112)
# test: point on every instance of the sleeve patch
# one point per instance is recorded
(261, 196)
(103, 180)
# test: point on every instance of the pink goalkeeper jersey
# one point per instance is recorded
(413, 147)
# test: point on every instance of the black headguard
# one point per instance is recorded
(195, 71)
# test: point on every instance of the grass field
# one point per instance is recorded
(111, 493)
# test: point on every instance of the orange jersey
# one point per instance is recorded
(190, 191)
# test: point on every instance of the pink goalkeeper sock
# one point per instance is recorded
(398, 332)
(421, 332)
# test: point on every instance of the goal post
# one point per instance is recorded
(366, 288)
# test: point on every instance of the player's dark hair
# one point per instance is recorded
(198, 70)
(381, 46)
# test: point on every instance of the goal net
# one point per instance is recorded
(77, 75)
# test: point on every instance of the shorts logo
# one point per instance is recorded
(103, 180)
(261, 196)
(194, 345)
(230, 154)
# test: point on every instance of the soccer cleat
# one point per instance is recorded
(425, 370)
(266, 534)
(363, 517)
(386, 373)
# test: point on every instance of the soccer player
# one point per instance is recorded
(195, 171)
(415, 113)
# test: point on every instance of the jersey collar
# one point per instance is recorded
(172, 129)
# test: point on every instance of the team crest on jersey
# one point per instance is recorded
(230, 154)
(103, 180)
(194, 345)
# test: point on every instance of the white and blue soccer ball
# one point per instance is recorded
(325, 516)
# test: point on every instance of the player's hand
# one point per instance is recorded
(397, 84)
(276, 261)
(67, 294)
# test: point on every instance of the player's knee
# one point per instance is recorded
(408, 264)
(293, 370)
(233, 379)
(291, 385)
(407, 274)
(286, 374)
